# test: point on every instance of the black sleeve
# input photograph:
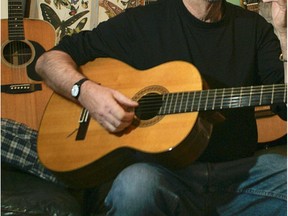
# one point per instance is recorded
(109, 39)
(270, 68)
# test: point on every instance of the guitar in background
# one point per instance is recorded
(23, 94)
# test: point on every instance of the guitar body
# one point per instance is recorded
(269, 125)
(24, 95)
(170, 125)
(98, 155)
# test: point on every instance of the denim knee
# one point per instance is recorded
(137, 179)
(134, 186)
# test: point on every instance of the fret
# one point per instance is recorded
(272, 94)
(13, 25)
(284, 96)
(165, 99)
(240, 97)
(170, 103)
(214, 99)
(261, 95)
(250, 97)
(222, 99)
(199, 101)
(256, 96)
(226, 100)
(187, 99)
(266, 98)
(204, 101)
(217, 99)
(207, 99)
(193, 100)
(235, 98)
(176, 103)
(181, 101)
(231, 97)
(161, 107)
(268, 94)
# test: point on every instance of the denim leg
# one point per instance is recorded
(150, 190)
(252, 186)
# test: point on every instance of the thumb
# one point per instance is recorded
(123, 100)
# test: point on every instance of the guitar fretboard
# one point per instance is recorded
(215, 99)
(15, 20)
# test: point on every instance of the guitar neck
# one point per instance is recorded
(15, 20)
(218, 99)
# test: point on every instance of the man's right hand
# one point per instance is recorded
(108, 107)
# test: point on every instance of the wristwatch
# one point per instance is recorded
(75, 91)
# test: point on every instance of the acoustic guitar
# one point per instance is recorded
(24, 95)
(169, 127)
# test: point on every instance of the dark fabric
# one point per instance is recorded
(25, 194)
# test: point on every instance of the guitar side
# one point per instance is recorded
(101, 154)
(269, 125)
(26, 108)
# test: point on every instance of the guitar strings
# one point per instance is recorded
(225, 98)
(215, 99)
(195, 107)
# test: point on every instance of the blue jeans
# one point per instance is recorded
(250, 186)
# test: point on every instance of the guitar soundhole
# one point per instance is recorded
(149, 106)
(17, 53)
(150, 102)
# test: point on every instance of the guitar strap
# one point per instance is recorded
(252, 5)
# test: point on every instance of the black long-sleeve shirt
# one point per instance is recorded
(239, 50)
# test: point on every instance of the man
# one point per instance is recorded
(230, 47)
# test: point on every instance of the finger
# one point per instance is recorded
(115, 124)
(109, 127)
(114, 129)
(124, 101)
(122, 113)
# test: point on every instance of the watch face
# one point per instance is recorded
(75, 90)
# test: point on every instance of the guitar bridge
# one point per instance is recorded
(83, 124)
(21, 88)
